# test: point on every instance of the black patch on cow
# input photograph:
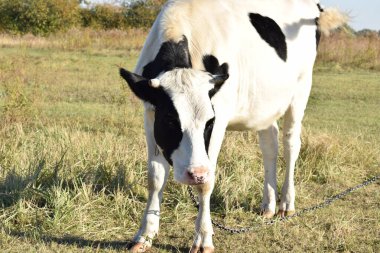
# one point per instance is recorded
(219, 72)
(170, 56)
(167, 126)
(208, 131)
(269, 31)
(211, 64)
(317, 32)
(140, 86)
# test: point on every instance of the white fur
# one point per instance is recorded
(261, 88)
(331, 19)
(188, 89)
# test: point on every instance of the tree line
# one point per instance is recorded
(43, 17)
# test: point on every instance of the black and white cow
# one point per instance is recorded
(211, 65)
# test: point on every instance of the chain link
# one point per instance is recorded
(323, 204)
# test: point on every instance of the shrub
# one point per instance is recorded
(105, 16)
(38, 16)
(143, 13)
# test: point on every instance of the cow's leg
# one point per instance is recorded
(158, 172)
(203, 226)
(268, 139)
(292, 143)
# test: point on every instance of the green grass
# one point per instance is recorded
(72, 162)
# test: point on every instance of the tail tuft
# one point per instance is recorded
(331, 19)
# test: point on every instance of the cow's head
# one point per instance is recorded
(184, 115)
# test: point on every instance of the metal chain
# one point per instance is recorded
(323, 204)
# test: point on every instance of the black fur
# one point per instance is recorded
(140, 87)
(170, 56)
(269, 31)
(219, 72)
(317, 32)
(220, 75)
(207, 132)
(167, 126)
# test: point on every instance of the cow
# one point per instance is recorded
(209, 66)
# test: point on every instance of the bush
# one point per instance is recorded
(39, 17)
(42, 17)
(104, 16)
(143, 13)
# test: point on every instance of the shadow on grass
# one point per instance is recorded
(95, 244)
(15, 186)
(39, 178)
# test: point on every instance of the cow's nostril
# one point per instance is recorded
(198, 174)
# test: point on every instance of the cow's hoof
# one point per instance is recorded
(267, 214)
(197, 249)
(139, 247)
(283, 213)
(194, 249)
(207, 250)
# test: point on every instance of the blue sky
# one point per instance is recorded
(364, 13)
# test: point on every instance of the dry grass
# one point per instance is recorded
(72, 159)
(348, 51)
(130, 41)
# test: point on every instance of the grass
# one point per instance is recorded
(72, 158)
(349, 51)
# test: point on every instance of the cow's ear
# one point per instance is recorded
(219, 79)
(142, 87)
(219, 72)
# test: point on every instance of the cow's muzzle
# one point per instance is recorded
(198, 175)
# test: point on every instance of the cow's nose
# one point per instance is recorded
(199, 174)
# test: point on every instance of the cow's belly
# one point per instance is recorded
(266, 86)
(263, 100)
(260, 116)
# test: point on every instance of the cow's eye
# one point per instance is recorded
(209, 123)
(208, 131)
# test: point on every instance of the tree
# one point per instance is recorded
(38, 16)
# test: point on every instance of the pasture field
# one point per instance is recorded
(72, 158)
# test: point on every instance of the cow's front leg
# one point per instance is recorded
(269, 146)
(203, 226)
(158, 172)
(157, 176)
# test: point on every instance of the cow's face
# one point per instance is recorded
(184, 117)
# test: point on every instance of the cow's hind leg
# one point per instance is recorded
(269, 147)
(292, 144)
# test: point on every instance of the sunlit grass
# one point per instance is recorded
(72, 160)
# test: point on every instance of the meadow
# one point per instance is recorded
(73, 159)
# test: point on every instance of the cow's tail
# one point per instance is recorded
(330, 19)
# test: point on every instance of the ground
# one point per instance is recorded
(72, 157)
